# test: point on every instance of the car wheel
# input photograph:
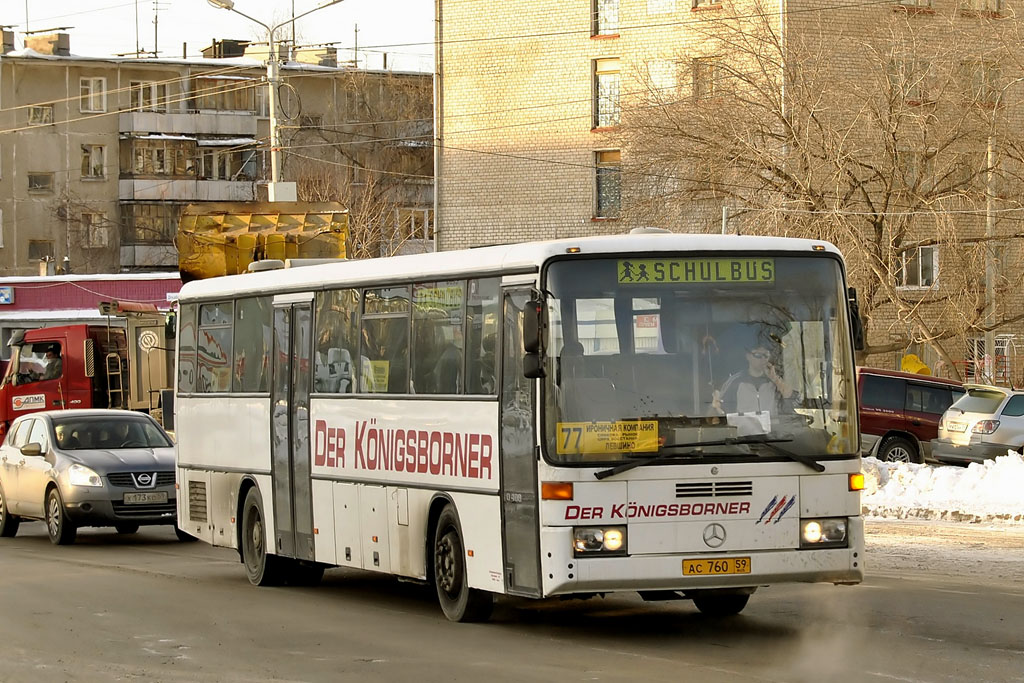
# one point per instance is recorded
(898, 449)
(126, 528)
(715, 604)
(8, 523)
(184, 536)
(458, 601)
(262, 568)
(62, 531)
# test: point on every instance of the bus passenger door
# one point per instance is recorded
(293, 501)
(518, 456)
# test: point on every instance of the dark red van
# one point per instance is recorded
(900, 412)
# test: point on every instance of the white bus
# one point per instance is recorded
(539, 419)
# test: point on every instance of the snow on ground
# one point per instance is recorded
(991, 493)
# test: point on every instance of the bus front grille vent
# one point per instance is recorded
(197, 501)
(714, 489)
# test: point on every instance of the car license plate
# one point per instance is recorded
(956, 426)
(718, 567)
(142, 498)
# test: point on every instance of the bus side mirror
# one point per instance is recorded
(856, 325)
(533, 325)
(533, 367)
(170, 325)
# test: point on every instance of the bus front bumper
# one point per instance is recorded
(575, 575)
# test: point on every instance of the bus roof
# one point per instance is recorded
(524, 257)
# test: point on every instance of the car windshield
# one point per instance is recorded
(690, 356)
(979, 401)
(108, 433)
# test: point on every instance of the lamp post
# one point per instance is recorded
(990, 229)
(277, 191)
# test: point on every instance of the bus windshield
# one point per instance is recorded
(697, 357)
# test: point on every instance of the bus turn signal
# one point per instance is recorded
(556, 490)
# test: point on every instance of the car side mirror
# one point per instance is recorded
(32, 449)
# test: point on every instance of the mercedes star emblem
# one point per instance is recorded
(714, 535)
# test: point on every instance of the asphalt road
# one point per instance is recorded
(941, 603)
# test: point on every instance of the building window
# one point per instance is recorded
(706, 3)
(94, 161)
(981, 6)
(149, 223)
(920, 268)
(414, 224)
(93, 95)
(981, 82)
(607, 83)
(229, 165)
(660, 6)
(40, 182)
(148, 96)
(914, 3)
(608, 174)
(224, 94)
(606, 17)
(94, 230)
(163, 157)
(706, 73)
(41, 115)
(40, 249)
(260, 95)
(908, 76)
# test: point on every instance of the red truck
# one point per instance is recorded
(89, 366)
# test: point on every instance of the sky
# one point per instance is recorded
(991, 493)
(404, 29)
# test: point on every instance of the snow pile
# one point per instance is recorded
(989, 492)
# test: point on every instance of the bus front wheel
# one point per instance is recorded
(719, 603)
(262, 568)
(458, 601)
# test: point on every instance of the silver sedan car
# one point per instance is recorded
(75, 468)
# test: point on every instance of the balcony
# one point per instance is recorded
(241, 123)
(187, 190)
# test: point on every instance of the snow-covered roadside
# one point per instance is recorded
(991, 493)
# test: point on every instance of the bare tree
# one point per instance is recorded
(873, 134)
(373, 153)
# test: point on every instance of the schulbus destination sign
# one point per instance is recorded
(696, 270)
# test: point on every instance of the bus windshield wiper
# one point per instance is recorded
(795, 457)
(668, 451)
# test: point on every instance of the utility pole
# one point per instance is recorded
(277, 191)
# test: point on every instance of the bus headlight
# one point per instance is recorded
(589, 540)
(829, 532)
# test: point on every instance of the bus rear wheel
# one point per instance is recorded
(458, 601)
(719, 604)
(262, 568)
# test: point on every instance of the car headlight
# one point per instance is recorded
(80, 475)
(829, 532)
(589, 540)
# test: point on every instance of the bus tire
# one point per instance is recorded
(62, 531)
(458, 601)
(8, 523)
(718, 604)
(262, 568)
(184, 536)
(898, 449)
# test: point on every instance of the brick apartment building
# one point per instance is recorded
(98, 155)
(533, 115)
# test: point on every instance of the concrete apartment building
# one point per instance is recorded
(533, 139)
(98, 155)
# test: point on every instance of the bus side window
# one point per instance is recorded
(251, 366)
(483, 316)
(384, 344)
(438, 346)
(337, 341)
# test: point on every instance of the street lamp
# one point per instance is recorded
(277, 191)
(990, 223)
